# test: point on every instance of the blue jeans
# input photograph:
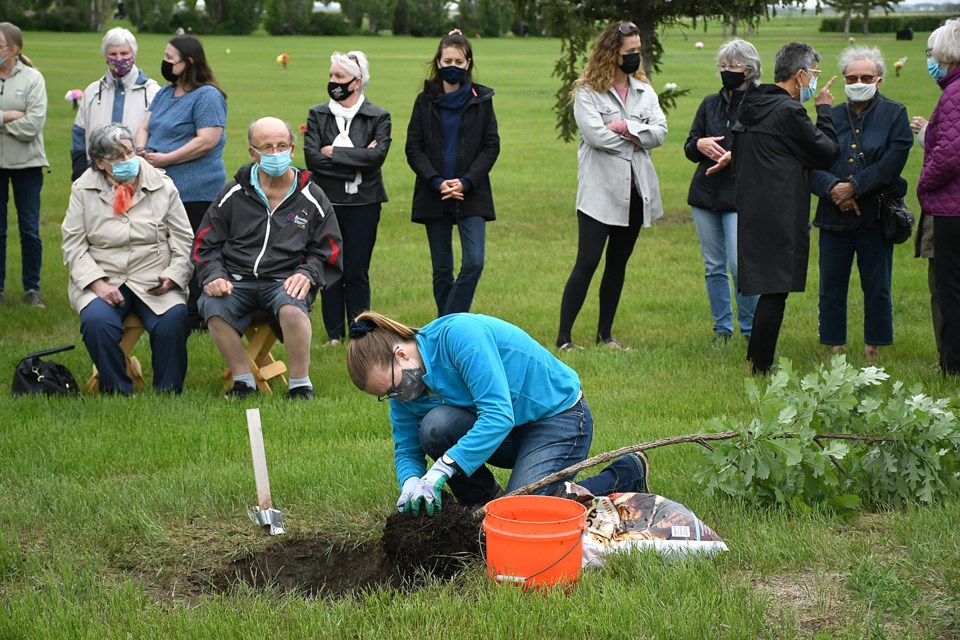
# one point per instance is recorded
(101, 326)
(26, 196)
(875, 262)
(533, 451)
(717, 232)
(456, 296)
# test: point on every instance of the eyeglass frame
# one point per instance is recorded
(271, 149)
(861, 78)
(928, 53)
(392, 392)
(628, 29)
(813, 73)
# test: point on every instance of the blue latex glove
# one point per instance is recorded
(406, 493)
(427, 491)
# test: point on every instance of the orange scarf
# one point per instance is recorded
(122, 198)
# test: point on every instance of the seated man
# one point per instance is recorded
(270, 241)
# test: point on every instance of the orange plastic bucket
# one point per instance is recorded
(534, 540)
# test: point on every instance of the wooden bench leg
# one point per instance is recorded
(132, 330)
(263, 366)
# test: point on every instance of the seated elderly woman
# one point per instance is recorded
(126, 242)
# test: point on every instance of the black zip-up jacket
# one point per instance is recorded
(715, 117)
(477, 152)
(240, 236)
(370, 123)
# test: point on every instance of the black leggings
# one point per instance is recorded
(593, 236)
(195, 212)
(766, 330)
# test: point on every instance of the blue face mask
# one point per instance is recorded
(934, 69)
(807, 92)
(275, 164)
(452, 75)
(125, 169)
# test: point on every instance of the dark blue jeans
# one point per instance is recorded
(456, 296)
(875, 263)
(26, 196)
(533, 451)
(101, 326)
(350, 295)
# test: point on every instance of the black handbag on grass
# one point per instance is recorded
(35, 375)
(896, 221)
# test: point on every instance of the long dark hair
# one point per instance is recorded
(197, 73)
(433, 85)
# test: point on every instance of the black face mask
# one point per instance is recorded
(338, 90)
(166, 70)
(452, 74)
(732, 79)
(631, 62)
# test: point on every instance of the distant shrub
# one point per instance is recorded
(887, 24)
(55, 18)
(324, 23)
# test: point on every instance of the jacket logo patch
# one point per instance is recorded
(300, 218)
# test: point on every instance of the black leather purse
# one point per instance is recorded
(35, 375)
(896, 221)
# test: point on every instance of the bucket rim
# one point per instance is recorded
(572, 505)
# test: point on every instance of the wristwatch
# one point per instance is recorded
(447, 460)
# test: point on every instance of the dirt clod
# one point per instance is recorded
(438, 546)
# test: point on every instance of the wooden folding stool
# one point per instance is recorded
(132, 330)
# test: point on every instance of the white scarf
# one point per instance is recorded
(344, 118)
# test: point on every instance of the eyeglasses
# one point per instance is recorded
(393, 392)
(730, 67)
(867, 79)
(124, 154)
(813, 73)
(628, 28)
(271, 149)
(928, 53)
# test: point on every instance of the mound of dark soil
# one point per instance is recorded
(438, 546)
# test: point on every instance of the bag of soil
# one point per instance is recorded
(642, 521)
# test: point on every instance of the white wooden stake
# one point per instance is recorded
(268, 517)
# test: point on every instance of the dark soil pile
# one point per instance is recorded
(437, 546)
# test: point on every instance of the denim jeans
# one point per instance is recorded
(717, 232)
(26, 196)
(875, 262)
(101, 326)
(533, 451)
(456, 296)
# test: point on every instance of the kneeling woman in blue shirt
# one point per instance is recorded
(470, 390)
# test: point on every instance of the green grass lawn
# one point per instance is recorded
(113, 510)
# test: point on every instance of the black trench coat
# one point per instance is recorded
(775, 145)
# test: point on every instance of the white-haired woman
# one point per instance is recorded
(712, 196)
(123, 95)
(126, 244)
(939, 187)
(875, 140)
(345, 145)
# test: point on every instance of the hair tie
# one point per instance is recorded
(361, 328)
(455, 31)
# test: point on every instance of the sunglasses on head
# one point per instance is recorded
(628, 28)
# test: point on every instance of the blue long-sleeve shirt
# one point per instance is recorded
(487, 366)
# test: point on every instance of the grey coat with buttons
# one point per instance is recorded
(609, 163)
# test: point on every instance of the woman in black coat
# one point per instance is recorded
(452, 144)
(775, 145)
(345, 145)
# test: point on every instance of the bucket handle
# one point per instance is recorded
(499, 577)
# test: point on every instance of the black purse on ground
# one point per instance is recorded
(35, 375)
(896, 221)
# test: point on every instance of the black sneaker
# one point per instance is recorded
(33, 299)
(642, 485)
(302, 393)
(721, 337)
(240, 391)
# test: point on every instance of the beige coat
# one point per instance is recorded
(136, 248)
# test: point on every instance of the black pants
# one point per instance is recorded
(593, 236)
(350, 295)
(195, 212)
(946, 248)
(766, 331)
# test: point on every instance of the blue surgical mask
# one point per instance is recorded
(807, 92)
(934, 69)
(275, 164)
(452, 75)
(125, 169)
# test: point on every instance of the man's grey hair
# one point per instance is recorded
(740, 53)
(253, 126)
(944, 43)
(792, 57)
(855, 54)
(106, 142)
(116, 37)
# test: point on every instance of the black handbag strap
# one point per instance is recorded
(49, 352)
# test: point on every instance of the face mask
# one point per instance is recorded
(452, 75)
(125, 169)
(631, 62)
(732, 79)
(166, 70)
(338, 91)
(411, 385)
(120, 67)
(807, 92)
(860, 91)
(933, 68)
(275, 164)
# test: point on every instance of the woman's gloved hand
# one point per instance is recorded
(406, 493)
(427, 491)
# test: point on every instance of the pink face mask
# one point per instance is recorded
(120, 67)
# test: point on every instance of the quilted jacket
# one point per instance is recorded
(939, 187)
